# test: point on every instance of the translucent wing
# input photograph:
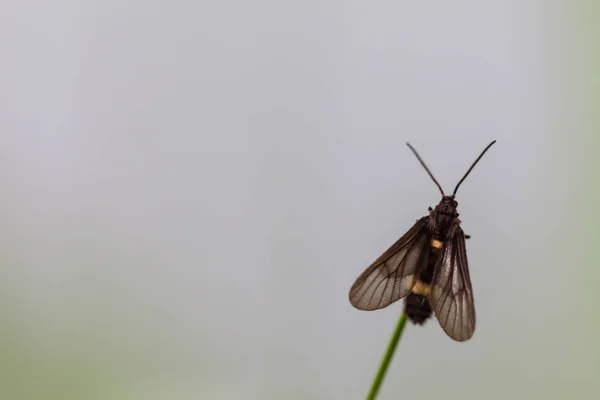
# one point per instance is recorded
(451, 294)
(391, 276)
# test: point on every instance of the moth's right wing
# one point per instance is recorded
(451, 294)
(392, 276)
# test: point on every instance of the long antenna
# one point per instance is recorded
(473, 165)
(427, 169)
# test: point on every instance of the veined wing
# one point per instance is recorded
(451, 296)
(392, 275)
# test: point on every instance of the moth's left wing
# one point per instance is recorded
(392, 275)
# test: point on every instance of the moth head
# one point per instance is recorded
(449, 201)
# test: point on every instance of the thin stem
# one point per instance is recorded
(387, 357)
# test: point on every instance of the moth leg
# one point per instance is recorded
(467, 236)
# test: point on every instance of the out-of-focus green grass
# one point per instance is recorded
(588, 206)
(590, 221)
(32, 370)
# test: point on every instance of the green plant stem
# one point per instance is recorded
(387, 357)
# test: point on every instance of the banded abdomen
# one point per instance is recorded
(416, 306)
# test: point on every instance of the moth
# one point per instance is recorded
(428, 267)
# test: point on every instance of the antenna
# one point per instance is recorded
(427, 169)
(473, 165)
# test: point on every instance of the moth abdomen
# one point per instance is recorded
(417, 308)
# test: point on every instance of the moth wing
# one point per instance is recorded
(451, 296)
(392, 276)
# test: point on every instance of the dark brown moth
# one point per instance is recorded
(427, 267)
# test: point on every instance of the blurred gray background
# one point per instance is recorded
(190, 189)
